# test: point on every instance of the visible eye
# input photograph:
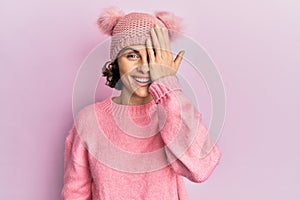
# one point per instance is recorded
(133, 56)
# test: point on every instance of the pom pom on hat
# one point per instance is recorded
(171, 21)
(108, 20)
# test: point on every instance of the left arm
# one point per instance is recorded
(188, 147)
(185, 136)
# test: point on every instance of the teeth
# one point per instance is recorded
(142, 80)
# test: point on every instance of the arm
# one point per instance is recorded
(77, 178)
(188, 147)
(187, 141)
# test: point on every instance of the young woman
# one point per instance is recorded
(142, 143)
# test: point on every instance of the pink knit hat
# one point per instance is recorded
(134, 28)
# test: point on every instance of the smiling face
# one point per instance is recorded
(135, 76)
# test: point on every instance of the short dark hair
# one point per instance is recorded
(110, 70)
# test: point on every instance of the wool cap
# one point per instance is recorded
(134, 28)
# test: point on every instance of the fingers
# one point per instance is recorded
(155, 43)
(166, 39)
(150, 51)
(178, 58)
(161, 61)
(161, 37)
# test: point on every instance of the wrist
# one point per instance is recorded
(162, 86)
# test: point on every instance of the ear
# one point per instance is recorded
(171, 21)
(108, 19)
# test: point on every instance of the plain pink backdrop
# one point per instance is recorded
(255, 45)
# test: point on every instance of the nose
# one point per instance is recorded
(143, 65)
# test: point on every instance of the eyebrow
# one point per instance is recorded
(126, 49)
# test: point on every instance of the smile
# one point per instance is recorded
(142, 80)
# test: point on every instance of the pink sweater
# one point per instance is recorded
(142, 152)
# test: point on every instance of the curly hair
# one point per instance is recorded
(110, 70)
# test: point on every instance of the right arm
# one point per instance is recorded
(77, 177)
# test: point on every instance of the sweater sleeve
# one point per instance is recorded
(77, 178)
(188, 147)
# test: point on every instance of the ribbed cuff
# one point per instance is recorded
(161, 87)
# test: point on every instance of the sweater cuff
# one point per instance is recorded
(161, 87)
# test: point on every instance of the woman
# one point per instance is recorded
(157, 131)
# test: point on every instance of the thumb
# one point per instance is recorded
(178, 58)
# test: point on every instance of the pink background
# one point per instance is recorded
(255, 45)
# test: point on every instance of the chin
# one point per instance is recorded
(142, 92)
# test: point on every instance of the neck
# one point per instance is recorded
(132, 99)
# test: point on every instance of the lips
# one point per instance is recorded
(142, 81)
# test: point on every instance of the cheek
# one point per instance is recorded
(126, 69)
(121, 72)
(124, 75)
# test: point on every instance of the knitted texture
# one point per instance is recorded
(87, 176)
(132, 29)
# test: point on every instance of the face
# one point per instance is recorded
(134, 73)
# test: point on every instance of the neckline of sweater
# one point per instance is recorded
(122, 110)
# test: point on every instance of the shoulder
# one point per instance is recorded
(90, 112)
